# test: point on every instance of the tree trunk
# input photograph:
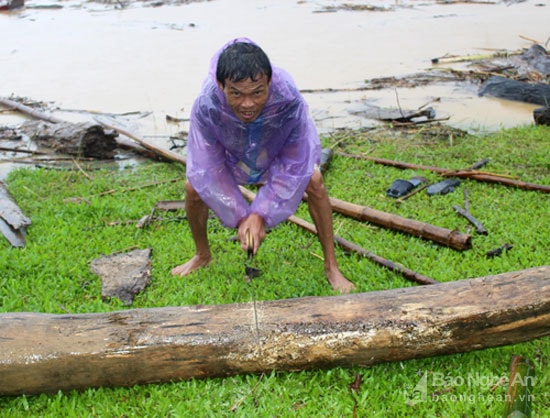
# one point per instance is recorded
(46, 352)
(83, 139)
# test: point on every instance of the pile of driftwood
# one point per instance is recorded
(521, 76)
(45, 353)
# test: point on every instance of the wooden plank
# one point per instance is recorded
(47, 352)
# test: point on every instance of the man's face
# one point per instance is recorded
(246, 98)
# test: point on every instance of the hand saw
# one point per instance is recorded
(251, 273)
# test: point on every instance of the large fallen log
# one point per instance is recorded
(83, 139)
(45, 353)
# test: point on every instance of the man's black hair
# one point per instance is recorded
(242, 60)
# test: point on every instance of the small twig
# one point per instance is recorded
(399, 104)
(22, 151)
(130, 189)
(251, 391)
(479, 164)
(412, 193)
(75, 162)
(466, 201)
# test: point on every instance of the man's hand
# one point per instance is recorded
(255, 224)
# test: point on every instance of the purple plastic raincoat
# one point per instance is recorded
(279, 149)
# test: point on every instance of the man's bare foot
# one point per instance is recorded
(194, 264)
(338, 282)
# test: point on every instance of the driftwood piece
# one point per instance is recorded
(480, 229)
(83, 139)
(13, 222)
(123, 275)
(490, 178)
(398, 115)
(519, 91)
(46, 353)
(453, 239)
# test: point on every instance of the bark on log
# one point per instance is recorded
(46, 353)
(453, 239)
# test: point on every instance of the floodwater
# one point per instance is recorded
(87, 56)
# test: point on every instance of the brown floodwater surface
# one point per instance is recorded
(96, 57)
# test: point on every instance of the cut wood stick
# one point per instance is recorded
(458, 173)
(450, 238)
(349, 246)
(45, 353)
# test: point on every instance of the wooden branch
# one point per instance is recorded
(45, 353)
(12, 104)
(453, 239)
(162, 152)
(480, 229)
(489, 178)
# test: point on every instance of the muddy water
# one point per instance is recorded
(91, 56)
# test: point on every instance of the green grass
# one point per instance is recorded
(52, 274)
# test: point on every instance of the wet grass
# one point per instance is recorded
(52, 274)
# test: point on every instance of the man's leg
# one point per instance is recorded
(197, 215)
(321, 213)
